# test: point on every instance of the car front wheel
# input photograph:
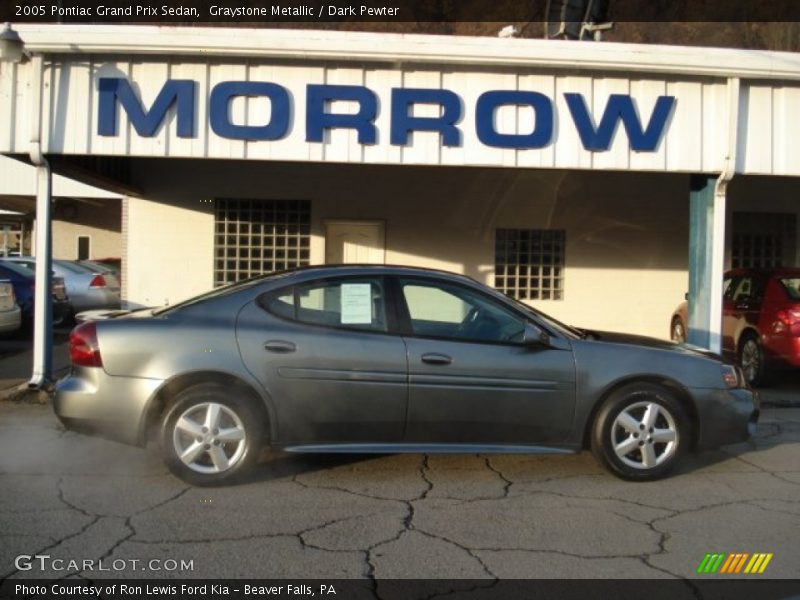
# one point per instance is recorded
(209, 437)
(641, 432)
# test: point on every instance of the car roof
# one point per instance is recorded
(774, 272)
(322, 271)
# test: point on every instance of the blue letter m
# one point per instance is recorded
(620, 108)
(146, 123)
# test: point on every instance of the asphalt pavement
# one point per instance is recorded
(79, 498)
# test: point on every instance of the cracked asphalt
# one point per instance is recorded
(404, 516)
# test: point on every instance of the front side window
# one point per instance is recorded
(342, 303)
(726, 286)
(449, 311)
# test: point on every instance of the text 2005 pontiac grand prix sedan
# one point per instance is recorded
(379, 359)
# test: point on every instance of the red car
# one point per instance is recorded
(760, 319)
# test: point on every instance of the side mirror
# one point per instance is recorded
(534, 336)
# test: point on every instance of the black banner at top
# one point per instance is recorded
(233, 12)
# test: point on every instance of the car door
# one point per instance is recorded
(471, 379)
(729, 286)
(324, 354)
(744, 308)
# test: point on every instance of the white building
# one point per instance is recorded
(86, 219)
(570, 175)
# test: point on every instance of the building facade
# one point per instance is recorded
(87, 221)
(597, 182)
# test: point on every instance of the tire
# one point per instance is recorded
(677, 331)
(621, 424)
(66, 319)
(752, 360)
(189, 426)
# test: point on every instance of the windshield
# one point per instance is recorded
(546, 320)
(219, 292)
(792, 286)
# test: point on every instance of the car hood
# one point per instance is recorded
(648, 342)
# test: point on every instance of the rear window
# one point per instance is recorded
(72, 267)
(792, 286)
(18, 269)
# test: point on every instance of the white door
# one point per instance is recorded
(354, 242)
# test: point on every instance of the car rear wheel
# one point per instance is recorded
(678, 331)
(209, 437)
(641, 432)
(752, 360)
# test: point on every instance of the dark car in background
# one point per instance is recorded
(760, 320)
(380, 359)
(24, 284)
(10, 314)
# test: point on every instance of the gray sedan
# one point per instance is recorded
(378, 359)
(87, 288)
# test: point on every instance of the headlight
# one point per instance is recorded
(733, 376)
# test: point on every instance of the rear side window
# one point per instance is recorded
(341, 303)
(748, 289)
(792, 286)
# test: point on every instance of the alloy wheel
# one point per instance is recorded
(209, 438)
(644, 435)
(751, 359)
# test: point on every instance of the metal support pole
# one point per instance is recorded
(43, 302)
(708, 200)
(701, 239)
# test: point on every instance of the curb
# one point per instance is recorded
(23, 393)
(780, 403)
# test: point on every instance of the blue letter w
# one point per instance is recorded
(620, 108)
(146, 123)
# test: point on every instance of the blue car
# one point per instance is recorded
(24, 283)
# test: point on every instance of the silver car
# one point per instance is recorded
(379, 359)
(87, 288)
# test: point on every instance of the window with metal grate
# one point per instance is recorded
(253, 237)
(529, 263)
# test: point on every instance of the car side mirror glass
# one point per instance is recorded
(534, 336)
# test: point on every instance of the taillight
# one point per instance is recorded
(788, 320)
(98, 281)
(83, 348)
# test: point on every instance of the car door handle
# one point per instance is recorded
(279, 346)
(434, 358)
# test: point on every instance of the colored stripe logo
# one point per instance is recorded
(735, 563)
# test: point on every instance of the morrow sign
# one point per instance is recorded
(596, 134)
